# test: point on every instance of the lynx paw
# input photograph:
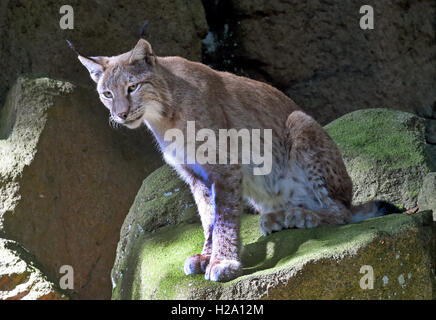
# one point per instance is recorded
(196, 264)
(223, 270)
(294, 218)
(272, 222)
(300, 218)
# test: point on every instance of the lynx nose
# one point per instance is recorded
(122, 115)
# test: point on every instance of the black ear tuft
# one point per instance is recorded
(71, 45)
(143, 29)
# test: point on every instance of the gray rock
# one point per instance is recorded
(67, 179)
(427, 196)
(430, 130)
(316, 52)
(32, 41)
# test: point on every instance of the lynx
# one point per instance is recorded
(308, 185)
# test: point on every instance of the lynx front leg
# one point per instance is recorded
(225, 262)
(197, 263)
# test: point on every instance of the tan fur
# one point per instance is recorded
(308, 185)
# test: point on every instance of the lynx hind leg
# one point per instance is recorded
(321, 188)
(300, 218)
(272, 222)
(292, 218)
(317, 155)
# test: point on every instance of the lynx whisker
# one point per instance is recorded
(135, 114)
(112, 123)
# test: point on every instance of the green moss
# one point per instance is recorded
(379, 137)
(163, 200)
(158, 272)
(399, 206)
(175, 244)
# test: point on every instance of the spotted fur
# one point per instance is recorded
(308, 186)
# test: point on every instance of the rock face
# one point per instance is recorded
(384, 152)
(32, 41)
(313, 50)
(316, 52)
(320, 263)
(21, 278)
(430, 133)
(67, 179)
(427, 196)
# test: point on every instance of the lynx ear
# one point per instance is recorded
(142, 51)
(94, 66)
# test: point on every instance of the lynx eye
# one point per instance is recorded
(108, 94)
(132, 88)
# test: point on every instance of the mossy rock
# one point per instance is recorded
(319, 263)
(384, 152)
(21, 277)
(163, 199)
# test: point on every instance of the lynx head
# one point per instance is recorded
(128, 84)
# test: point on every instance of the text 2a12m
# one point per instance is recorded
(248, 309)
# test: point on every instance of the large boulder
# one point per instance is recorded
(316, 52)
(32, 41)
(21, 277)
(67, 179)
(319, 263)
(384, 152)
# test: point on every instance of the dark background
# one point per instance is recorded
(313, 50)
